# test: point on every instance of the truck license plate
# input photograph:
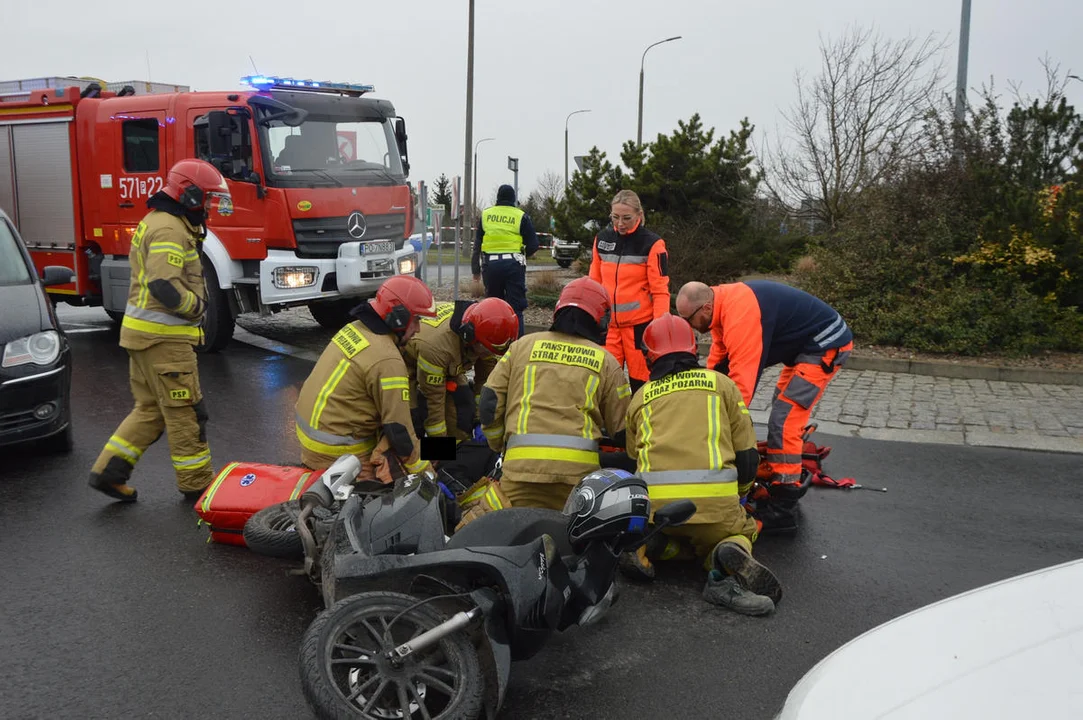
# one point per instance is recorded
(381, 247)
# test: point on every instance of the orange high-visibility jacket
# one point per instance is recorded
(634, 269)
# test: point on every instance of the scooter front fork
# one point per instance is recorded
(430, 637)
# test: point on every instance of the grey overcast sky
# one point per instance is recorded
(535, 62)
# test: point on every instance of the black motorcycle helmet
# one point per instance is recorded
(608, 504)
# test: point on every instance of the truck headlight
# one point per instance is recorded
(408, 265)
(40, 348)
(287, 278)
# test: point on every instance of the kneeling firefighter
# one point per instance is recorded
(358, 394)
(549, 398)
(166, 301)
(462, 336)
(692, 438)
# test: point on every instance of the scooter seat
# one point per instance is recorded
(514, 526)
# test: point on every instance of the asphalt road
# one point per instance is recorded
(118, 611)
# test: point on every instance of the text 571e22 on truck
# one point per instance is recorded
(321, 208)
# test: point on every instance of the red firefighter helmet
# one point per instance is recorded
(668, 334)
(491, 323)
(400, 299)
(587, 295)
(195, 184)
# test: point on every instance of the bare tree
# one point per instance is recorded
(550, 189)
(855, 123)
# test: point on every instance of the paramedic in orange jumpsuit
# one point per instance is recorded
(759, 323)
(632, 264)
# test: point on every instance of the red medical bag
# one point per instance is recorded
(243, 489)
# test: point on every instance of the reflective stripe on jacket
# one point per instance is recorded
(433, 357)
(684, 431)
(500, 225)
(358, 386)
(554, 394)
(634, 269)
(164, 247)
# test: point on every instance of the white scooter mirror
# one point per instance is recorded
(340, 476)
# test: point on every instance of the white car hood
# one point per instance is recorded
(1013, 649)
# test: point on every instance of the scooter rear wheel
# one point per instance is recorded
(345, 675)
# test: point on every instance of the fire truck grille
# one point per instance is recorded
(320, 237)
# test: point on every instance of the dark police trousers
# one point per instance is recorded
(506, 279)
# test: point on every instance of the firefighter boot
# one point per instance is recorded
(113, 480)
(734, 559)
(636, 565)
(725, 590)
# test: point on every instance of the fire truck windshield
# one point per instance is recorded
(341, 142)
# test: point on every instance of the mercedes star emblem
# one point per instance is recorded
(356, 225)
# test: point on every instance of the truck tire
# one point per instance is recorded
(564, 263)
(218, 320)
(333, 314)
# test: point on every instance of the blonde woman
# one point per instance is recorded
(632, 264)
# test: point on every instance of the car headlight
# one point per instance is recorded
(40, 348)
(408, 265)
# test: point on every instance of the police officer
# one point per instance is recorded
(166, 301)
(462, 336)
(759, 323)
(359, 393)
(692, 437)
(632, 263)
(549, 398)
(505, 238)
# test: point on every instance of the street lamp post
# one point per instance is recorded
(639, 131)
(479, 142)
(469, 204)
(960, 70)
(576, 112)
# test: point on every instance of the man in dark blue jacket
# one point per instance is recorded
(505, 238)
(759, 323)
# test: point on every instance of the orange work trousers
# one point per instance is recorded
(621, 343)
(799, 388)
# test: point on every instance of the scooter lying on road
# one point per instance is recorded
(421, 625)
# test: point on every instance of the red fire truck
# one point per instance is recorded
(321, 205)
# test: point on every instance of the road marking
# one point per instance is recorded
(274, 346)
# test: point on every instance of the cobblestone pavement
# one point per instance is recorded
(921, 408)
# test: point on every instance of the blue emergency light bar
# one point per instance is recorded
(269, 82)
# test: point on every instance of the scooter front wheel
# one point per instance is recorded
(345, 672)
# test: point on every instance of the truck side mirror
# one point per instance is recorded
(400, 139)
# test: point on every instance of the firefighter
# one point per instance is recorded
(692, 437)
(632, 264)
(462, 336)
(161, 326)
(549, 398)
(505, 238)
(759, 323)
(358, 394)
